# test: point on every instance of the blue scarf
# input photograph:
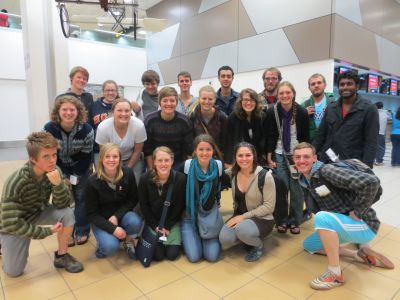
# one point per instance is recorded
(195, 171)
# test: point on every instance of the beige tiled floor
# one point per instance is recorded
(283, 273)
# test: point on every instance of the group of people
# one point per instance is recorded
(164, 146)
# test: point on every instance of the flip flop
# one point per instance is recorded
(81, 240)
(282, 228)
(294, 229)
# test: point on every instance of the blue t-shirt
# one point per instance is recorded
(319, 111)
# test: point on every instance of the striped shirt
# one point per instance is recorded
(24, 198)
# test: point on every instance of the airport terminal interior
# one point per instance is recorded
(299, 37)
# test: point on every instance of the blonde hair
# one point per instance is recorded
(40, 140)
(104, 149)
(60, 100)
(153, 172)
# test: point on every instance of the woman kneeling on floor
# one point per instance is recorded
(153, 190)
(252, 218)
(111, 194)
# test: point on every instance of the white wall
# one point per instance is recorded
(297, 74)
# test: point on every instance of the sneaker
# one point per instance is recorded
(378, 163)
(68, 262)
(372, 258)
(254, 254)
(327, 281)
(130, 248)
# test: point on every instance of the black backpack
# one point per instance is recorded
(281, 189)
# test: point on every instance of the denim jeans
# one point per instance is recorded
(108, 244)
(296, 195)
(380, 151)
(395, 149)
(195, 247)
(82, 226)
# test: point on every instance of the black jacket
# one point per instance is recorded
(151, 203)
(271, 129)
(102, 201)
(238, 131)
(352, 137)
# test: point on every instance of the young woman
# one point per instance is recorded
(169, 128)
(101, 109)
(294, 123)
(111, 194)
(126, 131)
(207, 119)
(204, 172)
(68, 125)
(252, 218)
(395, 137)
(153, 189)
(246, 125)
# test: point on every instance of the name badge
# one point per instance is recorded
(322, 190)
(73, 179)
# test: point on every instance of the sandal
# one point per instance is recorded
(81, 240)
(282, 228)
(294, 229)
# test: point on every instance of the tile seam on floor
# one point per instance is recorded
(201, 284)
(26, 279)
(278, 288)
(182, 257)
(164, 285)
(123, 274)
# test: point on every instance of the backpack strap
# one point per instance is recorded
(261, 180)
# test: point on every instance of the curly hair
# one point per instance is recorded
(60, 100)
(238, 108)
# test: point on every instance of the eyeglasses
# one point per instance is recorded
(270, 78)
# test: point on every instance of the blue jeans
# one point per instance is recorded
(296, 195)
(395, 149)
(108, 244)
(82, 226)
(195, 247)
(380, 151)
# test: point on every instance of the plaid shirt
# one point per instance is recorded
(349, 191)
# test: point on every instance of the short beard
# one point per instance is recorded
(317, 95)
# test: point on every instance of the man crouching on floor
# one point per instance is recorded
(341, 200)
(25, 205)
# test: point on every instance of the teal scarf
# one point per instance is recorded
(195, 171)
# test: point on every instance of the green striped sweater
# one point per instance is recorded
(24, 198)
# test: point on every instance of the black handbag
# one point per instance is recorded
(148, 241)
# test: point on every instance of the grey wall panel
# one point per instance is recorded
(211, 28)
(371, 13)
(226, 54)
(310, 47)
(354, 43)
(265, 50)
(391, 21)
(169, 10)
(169, 69)
(194, 63)
(389, 54)
(246, 28)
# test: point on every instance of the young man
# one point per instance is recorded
(341, 200)
(350, 125)
(186, 100)
(317, 102)
(271, 78)
(25, 205)
(79, 77)
(147, 100)
(226, 96)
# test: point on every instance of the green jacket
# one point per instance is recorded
(310, 102)
(24, 198)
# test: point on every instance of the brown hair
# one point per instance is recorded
(316, 75)
(77, 69)
(39, 140)
(60, 100)
(204, 138)
(238, 109)
(235, 167)
(184, 74)
(110, 82)
(104, 149)
(275, 70)
(150, 76)
(167, 91)
(118, 101)
(305, 145)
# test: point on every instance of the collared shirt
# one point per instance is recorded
(228, 105)
(186, 110)
(349, 191)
